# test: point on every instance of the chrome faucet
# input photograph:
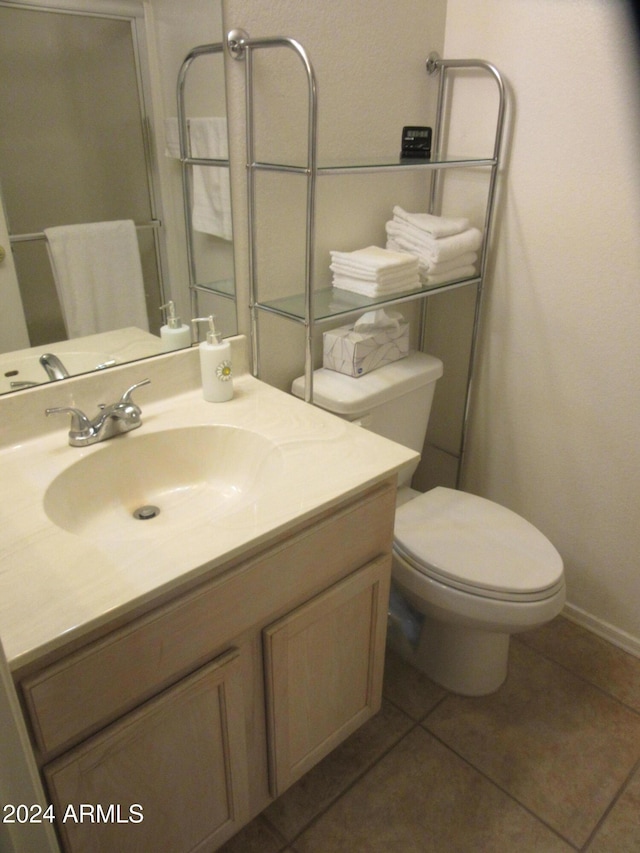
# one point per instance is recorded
(111, 420)
(54, 368)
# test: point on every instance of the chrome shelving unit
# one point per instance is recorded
(225, 287)
(315, 307)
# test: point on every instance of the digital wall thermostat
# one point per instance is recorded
(416, 142)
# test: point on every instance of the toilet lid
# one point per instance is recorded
(474, 544)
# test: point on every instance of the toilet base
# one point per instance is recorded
(464, 660)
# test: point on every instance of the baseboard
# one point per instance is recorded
(603, 629)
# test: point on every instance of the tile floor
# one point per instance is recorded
(548, 764)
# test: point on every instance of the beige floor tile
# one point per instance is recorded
(620, 831)
(328, 779)
(603, 664)
(256, 837)
(409, 688)
(560, 746)
(421, 797)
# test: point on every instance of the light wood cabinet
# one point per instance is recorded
(323, 671)
(204, 709)
(171, 775)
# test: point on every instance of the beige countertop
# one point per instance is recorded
(56, 585)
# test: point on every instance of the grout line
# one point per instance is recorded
(567, 668)
(440, 701)
(611, 805)
(274, 828)
(419, 720)
(279, 835)
(508, 794)
(352, 784)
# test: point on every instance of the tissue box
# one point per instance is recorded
(374, 340)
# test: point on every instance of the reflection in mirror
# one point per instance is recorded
(89, 96)
(199, 137)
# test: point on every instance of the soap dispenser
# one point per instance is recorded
(175, 334)
(215, 365)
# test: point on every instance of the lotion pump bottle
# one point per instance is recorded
(175, 334)
(215, 365)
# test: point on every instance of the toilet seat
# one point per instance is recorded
(477, 546)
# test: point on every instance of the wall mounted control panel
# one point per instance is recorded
(416, 142)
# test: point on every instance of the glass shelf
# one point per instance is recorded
(224, 287)
(379, 164)
(331, 302)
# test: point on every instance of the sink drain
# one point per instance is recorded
(143, 513)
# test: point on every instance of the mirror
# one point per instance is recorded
(89, 110)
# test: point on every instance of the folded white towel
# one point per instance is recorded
(388, 277)
(436, 226)
(452, 275)
(373, 290)
(466, 259)
(211, 190)
(372, 259)
(427, 266)
(98, 276)
(438, 250)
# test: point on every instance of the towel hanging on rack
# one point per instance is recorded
(211, 213)
(98, 276)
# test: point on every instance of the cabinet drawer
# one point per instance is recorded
(89, 688)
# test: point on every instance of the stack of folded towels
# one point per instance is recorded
(375, 272)
(446, 248)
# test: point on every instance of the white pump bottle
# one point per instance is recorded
(174, 334)
(215, 365)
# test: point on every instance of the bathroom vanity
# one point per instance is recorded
(175, 683)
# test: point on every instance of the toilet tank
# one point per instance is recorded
(393, 401)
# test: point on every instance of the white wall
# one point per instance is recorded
(556, 429)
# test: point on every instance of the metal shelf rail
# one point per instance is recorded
(225, 288)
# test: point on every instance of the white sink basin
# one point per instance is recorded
(139, 485)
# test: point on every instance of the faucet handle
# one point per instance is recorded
(125, 400)
(80, 423)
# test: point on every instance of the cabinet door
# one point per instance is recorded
(170, 776)
(324, 665)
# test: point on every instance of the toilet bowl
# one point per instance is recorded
(468, 571)
(474, 573)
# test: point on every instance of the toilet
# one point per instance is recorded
(467, 573)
